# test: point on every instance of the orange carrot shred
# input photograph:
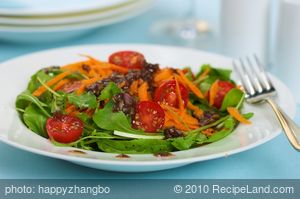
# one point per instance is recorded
(107, 65)
(74, 66)
(236, 114)
(60, 84)
(205, 73)
(38, 92)
(70, 109)
(143, 92)
(191, 85)
(197, 111)
(213, 92)
(86, 83)
(134, 87)
(163, 75)
(178, 93)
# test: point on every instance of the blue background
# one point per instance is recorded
(275, 159)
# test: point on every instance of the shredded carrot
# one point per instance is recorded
(191, 85)
(213, 92)
(236, 114)
(70, 109)
(205, 73)
(60, 84)
(178, 93)
(163, 75)
(134, 87)
(122, 84)
(90, 112)
(87, 82)
(107, 65)
(197, 111)
(180, 120)
(74, 66)
(38, 92)
(143, 92)
(208, 131)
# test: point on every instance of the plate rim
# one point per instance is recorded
(158, 162)
(30, 13)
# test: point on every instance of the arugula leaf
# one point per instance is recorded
(35, 120)
(86, 100)
(229, 126)
(34, 83)
(232, 98)
(184, 143)
(109, 91)
(58, 103)
(220, 73)
(117, 121)
(26, 98)
(214, 74)
(137, 146)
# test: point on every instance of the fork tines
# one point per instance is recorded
(253, 76)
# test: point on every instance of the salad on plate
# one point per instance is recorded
(127, 105)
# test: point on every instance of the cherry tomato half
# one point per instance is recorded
(149, 116)
(166, 94)
(64, 128)
(224, 88)
(128, 59)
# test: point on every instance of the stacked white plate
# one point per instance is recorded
(51, 20)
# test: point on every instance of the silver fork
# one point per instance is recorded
(259, 88)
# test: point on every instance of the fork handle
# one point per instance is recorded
(290, 128)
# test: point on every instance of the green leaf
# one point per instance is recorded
(118, 121)
(214, 74)
(86, 100)
(26, 98)
(137, 146)
(232, 98)
(35, 120)
(58, 103)
(229, 126)
(34, 83)
(248, 115)
(220, 73)
(184, 143)
(109, 91)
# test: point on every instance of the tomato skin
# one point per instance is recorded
(224, 88)
(166, 94)
(128, 59)
(149, 116)
(64, 128)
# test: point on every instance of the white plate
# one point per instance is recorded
(68, 19)
(67, 31)
(15, 74)
(54, 7)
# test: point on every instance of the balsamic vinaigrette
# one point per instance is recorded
(76, 152)
(122, 156)
(163, 154)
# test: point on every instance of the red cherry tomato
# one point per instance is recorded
(224, 88)
(128, 59)
(64, 128)
(166, 94)
(149, 116)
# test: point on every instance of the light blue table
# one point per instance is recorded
(275, 159)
